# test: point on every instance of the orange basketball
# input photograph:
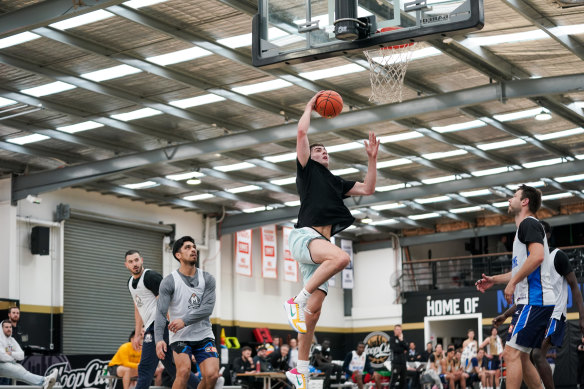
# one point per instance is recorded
(329, 104)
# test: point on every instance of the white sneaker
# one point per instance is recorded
(295, 314)
(297, 379)
(51, 379)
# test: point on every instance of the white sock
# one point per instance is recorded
(302, 297)
(302, 367)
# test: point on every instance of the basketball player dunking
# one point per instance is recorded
(322, 214)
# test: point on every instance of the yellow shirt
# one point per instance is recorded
(126, 356)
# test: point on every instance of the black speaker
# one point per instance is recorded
(39, 240)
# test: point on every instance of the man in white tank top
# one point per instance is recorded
(529, 284)
(143, 286)
(188, 296)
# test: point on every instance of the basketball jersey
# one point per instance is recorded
(560, 285)
(185, 300)
(535, 289)
(357, 362)
(144, 299)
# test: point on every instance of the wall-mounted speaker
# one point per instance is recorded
(39, 240)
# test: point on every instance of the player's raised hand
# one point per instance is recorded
(372, 146)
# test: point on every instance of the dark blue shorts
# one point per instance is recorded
(528, 327)
(556, 330)
(201, 350)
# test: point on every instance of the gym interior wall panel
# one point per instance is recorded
(98, 312)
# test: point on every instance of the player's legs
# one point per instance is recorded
(514, 367)
(331, 260)
(530, 374)
(541, 364)
(210, 372)
(182, 362)
(314, 306)
(19, 373)
(148, 360)
(358, 379)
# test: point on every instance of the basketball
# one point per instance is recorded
(329, 104)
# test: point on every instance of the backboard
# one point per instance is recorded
(292, 31)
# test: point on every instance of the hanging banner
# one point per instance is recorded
(332, 281)
(243, 252)
(290, 265)
(347, 274)
(269, 264)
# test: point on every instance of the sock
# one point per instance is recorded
(302, 297)
(302, 367)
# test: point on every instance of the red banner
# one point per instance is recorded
(269, 264)
(243, 253)
(290, 265)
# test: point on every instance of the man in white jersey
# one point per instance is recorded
(322, 214)
(561, 278)
(144, 285)
(529, 282)
(188, 296)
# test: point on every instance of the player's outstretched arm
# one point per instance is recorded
(502, 317)
(488, 281)
(138, 324)
(577, 296)
(302, 143)
(165, 294)
(367, 187)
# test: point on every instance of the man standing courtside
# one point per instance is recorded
(188, 296)
(144, 285)
(529, 283)
(322, 214)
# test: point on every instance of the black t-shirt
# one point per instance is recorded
(562, 263)
(530, 231)
(152, 281)
(321, 197)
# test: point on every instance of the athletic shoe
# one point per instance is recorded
(298, 380)
(295, 314)
(51, 379)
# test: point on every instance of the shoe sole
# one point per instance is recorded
(290, 322)
(292, 378)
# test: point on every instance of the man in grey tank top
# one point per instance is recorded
(188, 296)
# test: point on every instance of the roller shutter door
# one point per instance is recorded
(98, 310)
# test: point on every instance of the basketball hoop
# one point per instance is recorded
(387, 70)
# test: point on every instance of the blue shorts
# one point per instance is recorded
(528, 327)
(555, 331)
(202, 349)
(299, 240)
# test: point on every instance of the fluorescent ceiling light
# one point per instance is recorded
(366, 220)
(287, 40)
(501, 144)
(281, 157)
(244, 40)
(198, 197)
(18, 39)
(257, 209)
(22, 140)
(444, 154)
(340, 172)
(560, 134)
(429, 200)
(138, 114)
(546, 162)
(284, 181)
(438, 180)
(473, 193)
(424, 216)
(344, 147)
(111, 73)
(141, 185)
(528, 113)
(294, 203)
(506, 38)
(556, 196)
(48, 89)
(142, 3)
(388, 188)
(572, 29)
(501, 204)
(385, 221)
(241, 189)
(400, 137)
(497, 170)
(383, 207)
(475, 208)
(179, 56)
(393, 162)
(236, 166)
(351, 227)
(262, 87)
(83, 126)
(184, 176)
(579, 156)
(534, 184)
(353, 211)
(5, 102)
(543, 116)
(332, 72)
(460, 126)
(82, 19)
(198, 100)
(576, 177)
(193, 182)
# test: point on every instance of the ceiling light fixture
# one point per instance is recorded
(543, 115)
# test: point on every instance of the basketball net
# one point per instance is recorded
(387, 70)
